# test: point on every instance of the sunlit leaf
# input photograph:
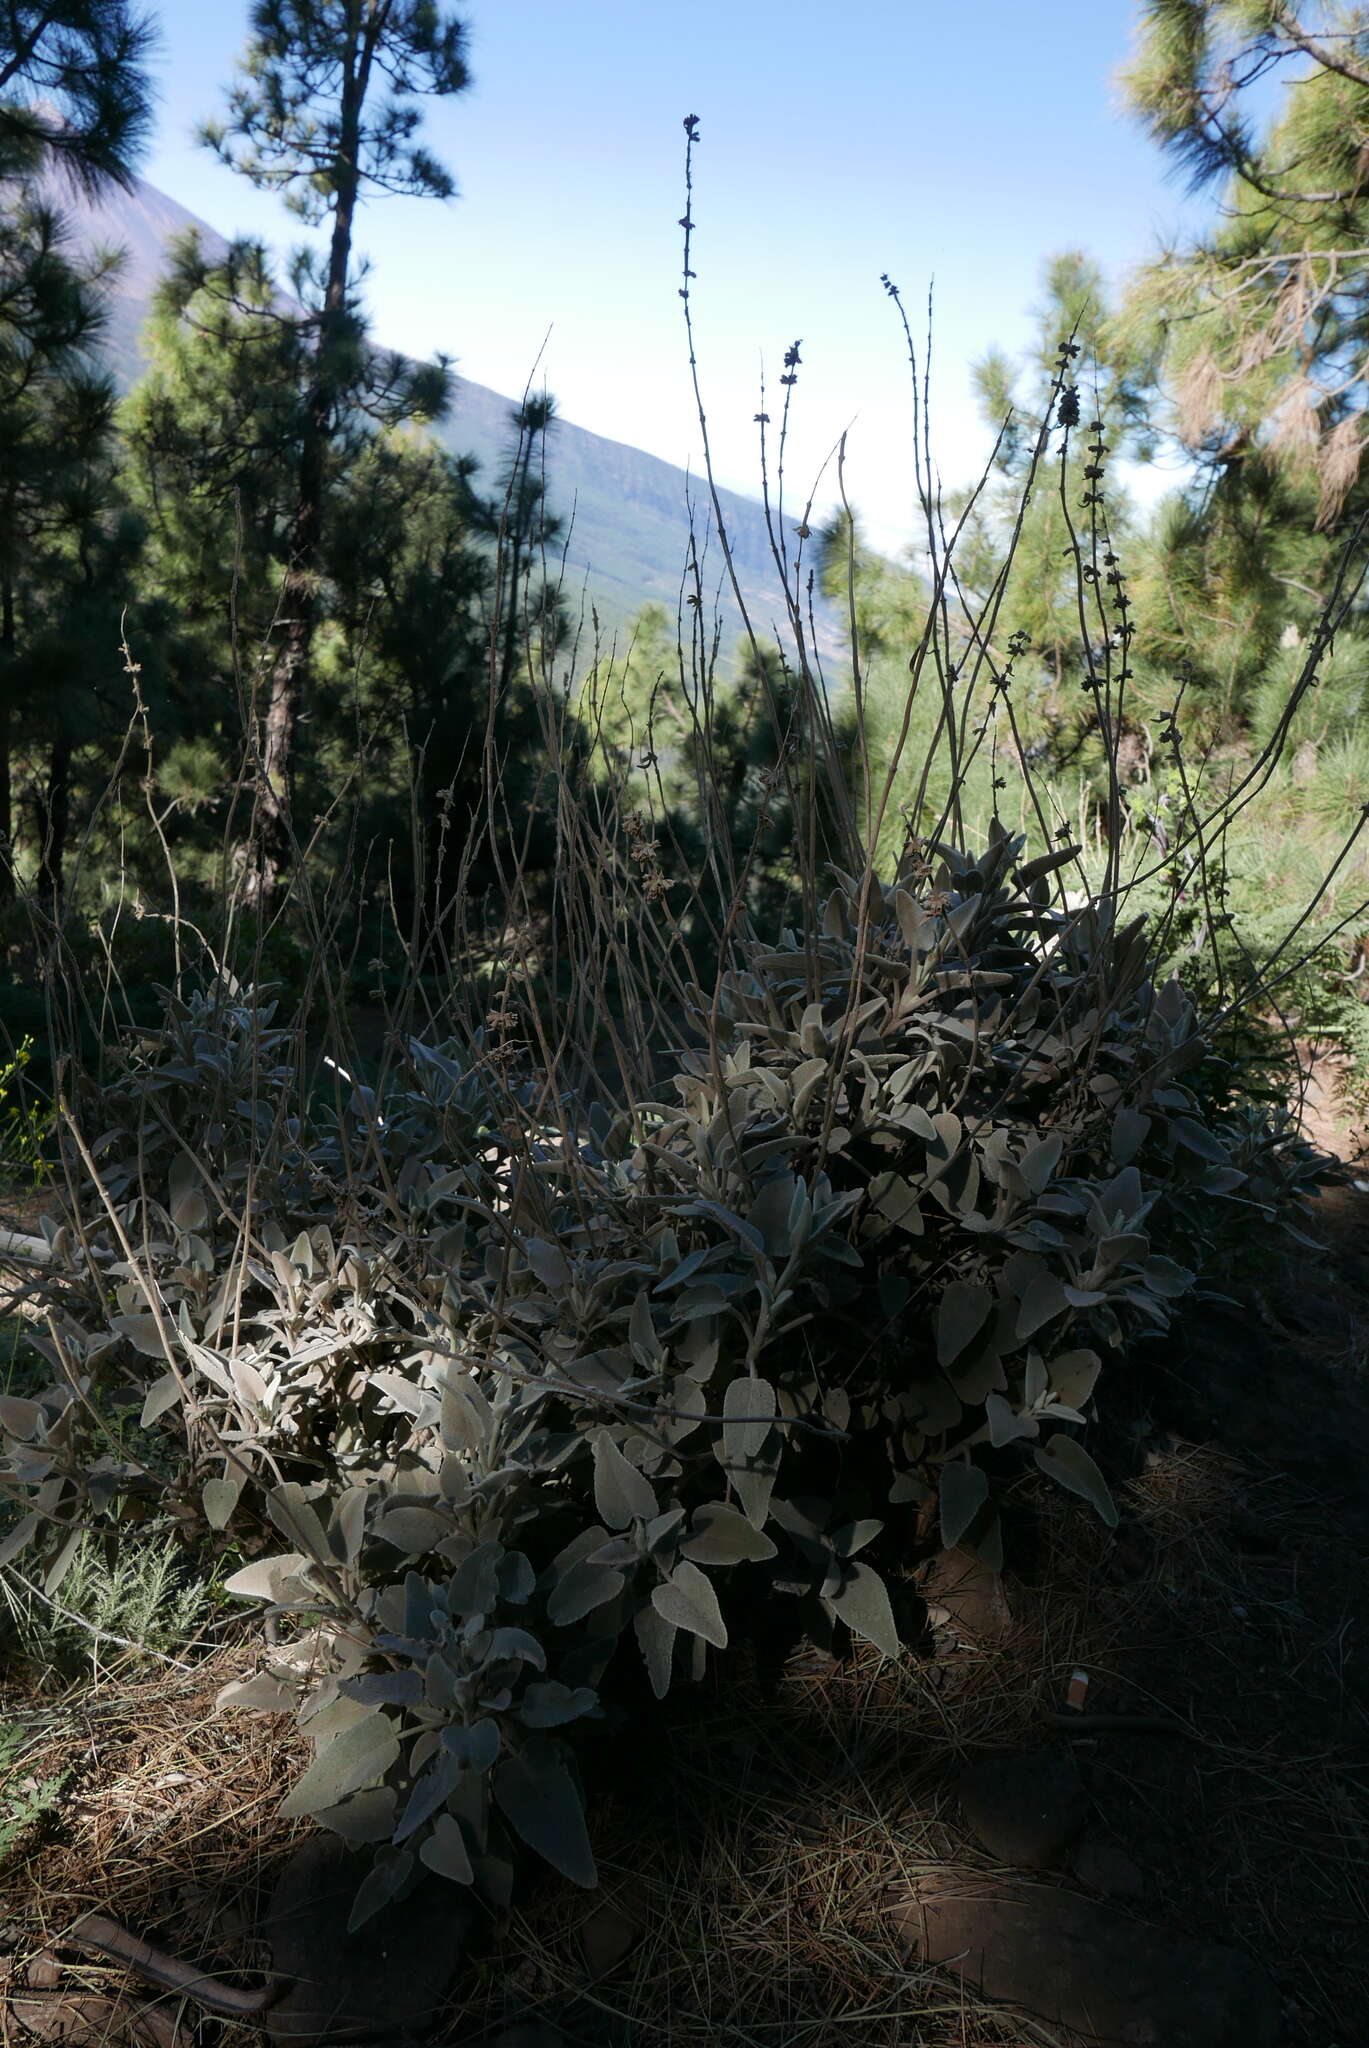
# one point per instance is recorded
(267, 1578)
(220, 1498)
(862, 1601)
(688, 1600)
(162, 1395)
(748, 1408)
(359, 1756)
(622, 1494)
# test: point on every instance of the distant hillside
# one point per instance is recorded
(630, 510)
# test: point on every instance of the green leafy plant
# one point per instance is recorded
(23, 1801)
(122, 1605)
(522, 1392)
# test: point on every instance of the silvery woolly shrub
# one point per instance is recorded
(492, 1394)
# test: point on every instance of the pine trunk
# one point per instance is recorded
(54, 821)
(288, 681)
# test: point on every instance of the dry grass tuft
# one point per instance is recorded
(169, 1817)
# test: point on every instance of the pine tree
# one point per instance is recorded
(327, 111)
(75, 96)
(74, 88)
(1224, 574)
(750, 787)
(412, 625)
(525, 531)
(411, 568)
(211, 438)
(56, 413)
(75, 594)
(1256, 330)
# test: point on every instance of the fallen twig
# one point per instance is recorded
(97, 1931)
(1120, 1724)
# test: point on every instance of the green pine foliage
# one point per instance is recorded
(1253, 327)
(64, 546)
(119, 1607)
(75, 87)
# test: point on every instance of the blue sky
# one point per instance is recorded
(949, 144)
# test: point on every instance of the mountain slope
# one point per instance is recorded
(629, 511)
